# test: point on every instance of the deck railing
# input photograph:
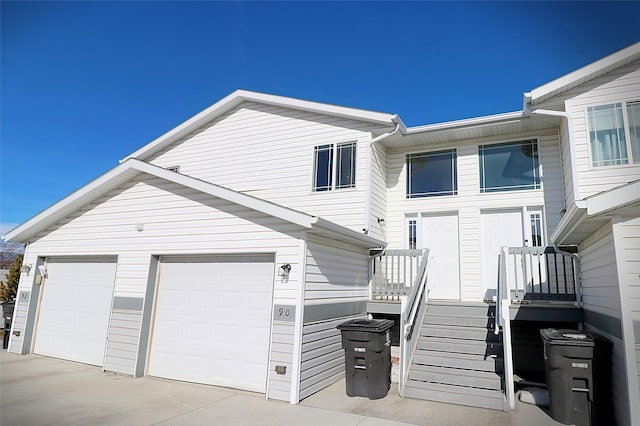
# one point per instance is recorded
(393, 272)
(542, 273)
(529, 274)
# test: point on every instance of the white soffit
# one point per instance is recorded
(472, 128)
(584, 217)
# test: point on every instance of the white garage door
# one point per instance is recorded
(213, 321)
(75, 309)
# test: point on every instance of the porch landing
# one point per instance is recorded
(526, 311)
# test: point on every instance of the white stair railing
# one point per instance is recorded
(412, 310)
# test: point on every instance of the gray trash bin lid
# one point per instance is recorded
(567, 337)
(368, 325)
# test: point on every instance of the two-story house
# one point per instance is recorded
(227, 251)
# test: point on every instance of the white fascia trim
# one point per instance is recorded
(613, 198)
(239, 96)
(575, 215)
(621, 57)
(18, 234)
(302, 219)
(581, 210)
(319, 107)
(487, 120)
(92, 190)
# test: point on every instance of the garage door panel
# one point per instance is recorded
(213, 319)
(75, 308)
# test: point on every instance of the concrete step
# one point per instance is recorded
(453, 394)
(453, 332)
(460, 346)
(459, 321)
(460, 361)
(461, 309)
(455, 376)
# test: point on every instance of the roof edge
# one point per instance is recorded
(468, 122)
(621, 58)
(132, 167)
(239, 96)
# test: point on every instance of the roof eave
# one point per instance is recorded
(487, 120)
(588, 72)
(332, 230)
(239, 96)
(126, 171)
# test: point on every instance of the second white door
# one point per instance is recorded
(440, 236)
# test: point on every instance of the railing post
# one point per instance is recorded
(508, 356)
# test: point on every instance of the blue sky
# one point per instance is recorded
(84, 84)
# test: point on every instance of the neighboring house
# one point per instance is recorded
(227, 250)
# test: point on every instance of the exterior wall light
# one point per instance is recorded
(25, 268)
(283, 272)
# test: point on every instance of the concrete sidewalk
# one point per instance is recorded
(37, 390)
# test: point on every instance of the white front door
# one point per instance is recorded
(213, 320)
(498, 229)
(440, 236)
(75, 308)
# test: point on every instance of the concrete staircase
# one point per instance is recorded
(458, 358)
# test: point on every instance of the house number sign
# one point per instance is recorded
(284, 313)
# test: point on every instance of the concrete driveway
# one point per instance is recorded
(37, 390)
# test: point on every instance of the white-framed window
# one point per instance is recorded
(432, 174)
(614, 133)
(537, 234)
(412, 234)
(334, 166)
(511, 166)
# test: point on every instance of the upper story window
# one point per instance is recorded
(334, 166)
(509, 166)
(614, 133)
(432, 174)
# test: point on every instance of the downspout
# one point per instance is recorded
(395, 119)
(528, 111)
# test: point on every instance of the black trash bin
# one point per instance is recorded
(578, 371)
(7, 314)
(367, 355)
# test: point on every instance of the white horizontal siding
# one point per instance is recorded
(336, 273)
(281, 355)
(322, 356)
(469, 201)
(122, 341)
(267, 151)
(378, 192)
(620, 85)
(630, 283)
(600, 292)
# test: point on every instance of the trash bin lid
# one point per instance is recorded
(371, 325)
(567, 337)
